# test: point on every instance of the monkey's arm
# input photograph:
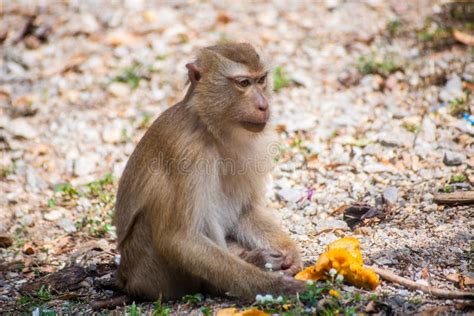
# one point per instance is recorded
(203, 258)
(257, 229)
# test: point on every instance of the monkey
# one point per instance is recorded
(190, 210)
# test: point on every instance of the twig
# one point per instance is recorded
(392, 277)
(110, 303)
(455, 198)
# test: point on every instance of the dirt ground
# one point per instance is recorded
(369, 103)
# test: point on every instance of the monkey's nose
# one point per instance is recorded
(262, 105)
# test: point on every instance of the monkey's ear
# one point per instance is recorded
(194, 72)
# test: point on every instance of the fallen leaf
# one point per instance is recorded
(462, 280)
(464, 38)
(223, 17)
(357, 213)
(28, 249)
(280, 128)
(370, 308)
(121, 37)
(345, 257)
(468, 86)
(5, 241)
(425, 274)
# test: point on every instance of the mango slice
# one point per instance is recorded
(345, 257)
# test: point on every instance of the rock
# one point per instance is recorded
(452, 90)
(83, 204)
(113, 133)
(267, 17)
(331, 4)
(329, 225)
(290, 194)
(67, 225)
(390, 195)
(326, 239)
(163, 17)
(453, 159)
(117, 260)
(398, 138)
(371, 82)
(85, 165)
(428, 198)
(378, 167)
(26, 220)
(53, 215)
(303, 121)
(22, 129)
(119, 89)
(34, 181)
(88, 23)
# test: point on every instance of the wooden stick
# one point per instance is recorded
(392, 277)
(110, 303)
(455, 198)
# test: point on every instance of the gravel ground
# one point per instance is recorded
(367, 108)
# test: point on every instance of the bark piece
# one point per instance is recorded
(63, 280)
(455, 198)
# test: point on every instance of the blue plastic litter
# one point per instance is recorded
(469, 118)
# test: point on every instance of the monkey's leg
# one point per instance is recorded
(199, 256)
(258, 230)
(146, 274)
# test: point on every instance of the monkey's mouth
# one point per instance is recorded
(253, 126)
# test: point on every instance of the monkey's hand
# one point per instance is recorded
(291, 264)
(274, 260)
(265, 258)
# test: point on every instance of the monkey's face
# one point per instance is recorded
(251, 108)
(232, 88)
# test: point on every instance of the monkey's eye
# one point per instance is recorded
(262, 79)
(243, 83)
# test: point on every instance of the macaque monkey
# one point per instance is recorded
(190, 210)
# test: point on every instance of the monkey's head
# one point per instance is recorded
(232, 88)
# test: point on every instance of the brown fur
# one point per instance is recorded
(187, 219)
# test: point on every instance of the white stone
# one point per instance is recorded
(85, 165)
(329, 225)
(21, 128)
(53, 215)
(119, 89)
(67, 225)
(452, 90)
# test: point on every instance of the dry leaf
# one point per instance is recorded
(345, 257)
(425, 273)
(371, 307)
(5, 241)
(358, 213)
(464, 38)
(28, 249)
(121, 37)
(462, 280)
(223, 17)
(468, 86)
